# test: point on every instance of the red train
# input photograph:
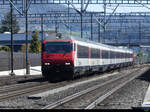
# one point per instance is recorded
(68, 57)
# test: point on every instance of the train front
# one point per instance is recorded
(57, 59)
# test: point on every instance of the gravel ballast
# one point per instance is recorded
(25, 103)
(130, 96)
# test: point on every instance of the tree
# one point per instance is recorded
(6, 24)
(140, 55)
(35, 43)
(5, 48)
(23, 48)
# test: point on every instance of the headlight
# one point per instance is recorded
(46, 63)
(67, 63)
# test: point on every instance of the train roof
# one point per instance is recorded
(53, 36)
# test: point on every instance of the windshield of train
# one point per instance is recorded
(58, 47)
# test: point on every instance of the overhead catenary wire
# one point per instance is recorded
(15, 7)
(142, 4)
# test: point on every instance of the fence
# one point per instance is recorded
(19, 60)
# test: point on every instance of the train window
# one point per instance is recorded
(114, 55)
(122, 55)
(58, 47)
(117, 55)
(111, 54)
(105, 54)
(130, 55)
(83, 52)
(95, 53)
(127, 55)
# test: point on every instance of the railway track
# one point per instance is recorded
(103, 97)
(9, 80)
(11, 91)
(89, 98)
(7, 92)
(22, 90)
(29, 88)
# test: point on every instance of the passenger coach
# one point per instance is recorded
(68, 57)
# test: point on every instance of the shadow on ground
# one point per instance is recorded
(40, 79)
(145, 76)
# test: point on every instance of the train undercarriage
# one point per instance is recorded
(59, 72)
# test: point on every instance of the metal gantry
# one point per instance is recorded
(25, 6)
(87, 14)
(25, 10)
(128, 19)
(12, 44)
(6, 2)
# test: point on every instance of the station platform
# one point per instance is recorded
(36, 70)
(146, 102)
